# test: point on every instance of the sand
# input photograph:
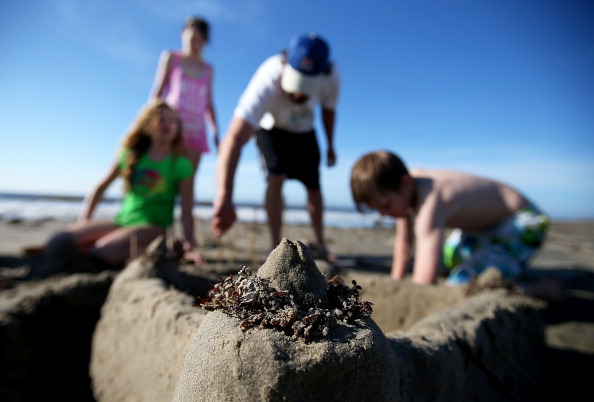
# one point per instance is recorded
(365, 254)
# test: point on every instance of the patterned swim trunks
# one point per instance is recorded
(507, 246)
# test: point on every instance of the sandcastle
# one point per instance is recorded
(139, 335)
(152, 343)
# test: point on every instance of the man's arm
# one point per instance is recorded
(238, 134)
(328, 119)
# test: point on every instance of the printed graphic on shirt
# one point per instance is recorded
(300, 117)
(148, 182)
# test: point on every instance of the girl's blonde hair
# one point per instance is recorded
(138, 140)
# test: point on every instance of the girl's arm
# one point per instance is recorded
(93, 198)
(190, 245)
(402, 247)
(210, 112)
(161, 75)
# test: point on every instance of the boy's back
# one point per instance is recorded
(459, 200)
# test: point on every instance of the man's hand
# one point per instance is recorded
(224, 217)
(331, 157)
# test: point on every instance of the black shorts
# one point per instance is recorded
(296, 155)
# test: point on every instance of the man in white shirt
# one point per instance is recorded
(278, 107)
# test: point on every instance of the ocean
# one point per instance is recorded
(34, 207)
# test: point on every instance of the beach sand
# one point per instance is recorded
(364, 254)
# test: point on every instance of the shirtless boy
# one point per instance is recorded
(493, 224)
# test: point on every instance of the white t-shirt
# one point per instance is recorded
(264, 104)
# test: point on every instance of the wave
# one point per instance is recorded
(34, 207)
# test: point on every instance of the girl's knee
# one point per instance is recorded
(110, 253)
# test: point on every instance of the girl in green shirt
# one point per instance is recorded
(155, 171)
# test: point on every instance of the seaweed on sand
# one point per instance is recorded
(257, 304)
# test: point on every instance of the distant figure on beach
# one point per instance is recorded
(493, 225)
(155, 171)
(184, 80)
(278, 107)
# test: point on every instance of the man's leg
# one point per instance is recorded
(274, 207)
(315, 207)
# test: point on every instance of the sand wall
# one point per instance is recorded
(45, 337)
(141, 339)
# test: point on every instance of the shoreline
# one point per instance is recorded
(35, 206)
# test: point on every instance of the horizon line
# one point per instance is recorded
(200, 202)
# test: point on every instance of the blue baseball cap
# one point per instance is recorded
(307, 58)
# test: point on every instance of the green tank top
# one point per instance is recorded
(155, 185)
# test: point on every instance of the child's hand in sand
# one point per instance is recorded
(191, 254)
(194, 257)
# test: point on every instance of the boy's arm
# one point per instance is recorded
(402, 247)
(428, 254)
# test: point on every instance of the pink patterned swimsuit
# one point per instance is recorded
(189, 97)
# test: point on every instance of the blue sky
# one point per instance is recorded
(501, 88)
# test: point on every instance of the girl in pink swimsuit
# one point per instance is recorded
(184, 81)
